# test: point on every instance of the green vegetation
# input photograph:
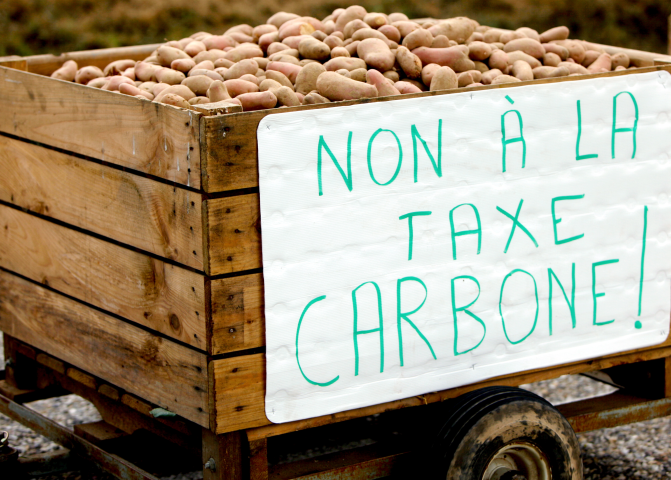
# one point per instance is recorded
(52, 26)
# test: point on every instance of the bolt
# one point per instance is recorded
(9, 362)
(210, 465)
(231, 330)
(4, 440)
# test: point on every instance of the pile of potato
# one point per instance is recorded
(350, 54)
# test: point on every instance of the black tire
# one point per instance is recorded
(499, 421)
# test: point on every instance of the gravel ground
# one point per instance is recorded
(641, 451)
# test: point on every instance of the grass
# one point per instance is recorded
(52, 26)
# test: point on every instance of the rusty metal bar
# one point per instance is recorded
(613, 410)
(112, 464)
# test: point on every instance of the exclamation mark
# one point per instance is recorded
(638, 323)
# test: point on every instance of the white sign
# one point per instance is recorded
(423, 244)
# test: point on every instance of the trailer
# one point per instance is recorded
(131, 274)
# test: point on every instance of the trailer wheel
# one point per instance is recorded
(504, 433)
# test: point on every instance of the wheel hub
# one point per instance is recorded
(518, 461)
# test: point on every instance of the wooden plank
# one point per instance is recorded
(233, 234)
(258, 459)
(98, 432)
(253, 398)
(47, 64)
(145, 136)
(14, 61)
(228, 142)
(238, 321)
(165, 373)
(238, 392)
(667, 377)
(222, 456)
(149, 215)
(162, 297)
(613, 410)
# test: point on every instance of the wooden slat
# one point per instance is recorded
(47, 64)
(14, 61)
(233, 234)
(238, 392)
(228, 142)
(237, 313)
(253, 398)
(165, 373)
(160, 296)
(143, 213)
(149, 137)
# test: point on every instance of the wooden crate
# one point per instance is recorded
(130, 245)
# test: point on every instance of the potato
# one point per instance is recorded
(169, 76)
(218, 92)
(418, 38)
(339, 52)
(98, 82)
(351, 48)
(269, 84)
(375, 20)
(383, 86)
(158, 88)
(519, 55)
(397, 16)
(288, 69)
(211, 55)
(551, 59)
(246, 66)
(182, 64)
(219, 42)
(85, 74)
(390, 75)
(293, 42)
(444, 78)
(279, 77)
(175, 101)
(522, 70)
(67, 72)
(355, 12)
(180, 90)
(365, 33)
(453, 57)
(281, 18)
(390, 32)
(575, 48)
(489, 76)
(354, 26)
(335, 87)
(479, 51)
(314, 49)
(504, 79)
(574, 68)
(261, 30)
(409, 62)
(166, 55)
(198, 84)
(238, 87)
(529, 33)
(590, 57)
(358, 74)
(295, 28)
(348, 63)
(194, 48)
(510, 36)
(493, 35)
(313, 98)
(286, 97)
(332, 41)
(562, 52)
(306, 80)
(457, 29)
(133, 91)
(407, 87)
(376, 54)
(527, 45)
(257, 100)
(113, 83)
(601, 64)
(243, 51)
(204, 65)
(405, 27)
(556, 33)
(620, 60)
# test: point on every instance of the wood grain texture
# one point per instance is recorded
(229, 153)
(233, 234)
(165, 373)
(255, 403)
(238, 321)
(238, 392)
(143, 213)
(149, 137)
(160, 296)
